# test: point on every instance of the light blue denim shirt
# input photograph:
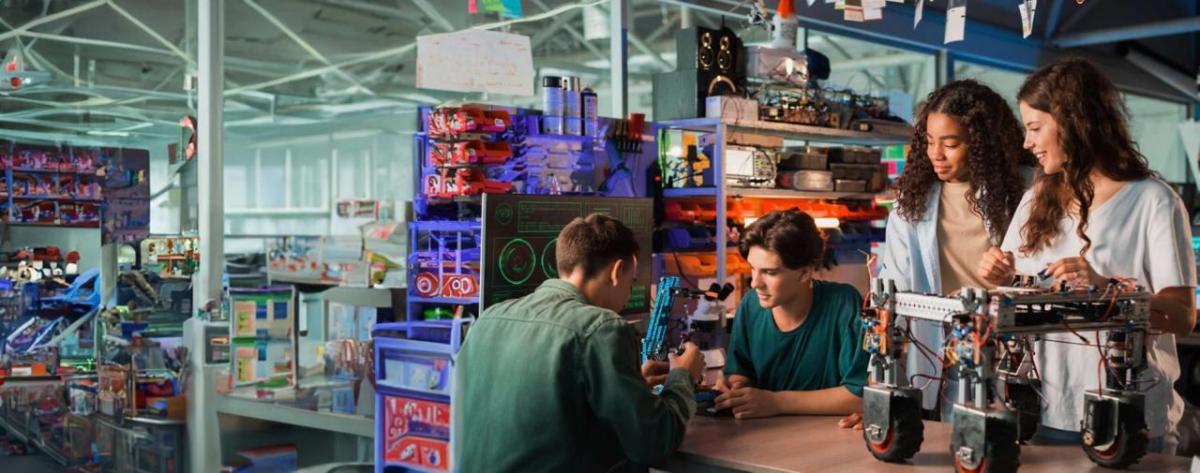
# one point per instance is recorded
(911, 259)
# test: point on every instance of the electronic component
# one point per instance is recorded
(654, 344)
(989, 333)
(798, 106)
(748, 166)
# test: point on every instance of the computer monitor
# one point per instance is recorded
(520, 232)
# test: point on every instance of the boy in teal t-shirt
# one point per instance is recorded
(796, 346)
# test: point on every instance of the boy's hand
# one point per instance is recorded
(692, 360)
(854, 420)
(655, 372)
(748, 403)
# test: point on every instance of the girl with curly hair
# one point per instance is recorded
(1098, 212)
(961, 184)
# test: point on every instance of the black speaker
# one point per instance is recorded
(709, 62)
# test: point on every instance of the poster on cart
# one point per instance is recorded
(125, 212)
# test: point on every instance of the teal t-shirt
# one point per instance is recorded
(823, 352)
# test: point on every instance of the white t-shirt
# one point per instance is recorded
(1141, 232)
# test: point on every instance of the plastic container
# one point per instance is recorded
(552, 105)
(573, 111)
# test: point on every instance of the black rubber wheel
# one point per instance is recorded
(1023, 398)
(1002, 453)
(1131, 443)
(905, 433)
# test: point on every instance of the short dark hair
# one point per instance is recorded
(791, 234)
(593, 242)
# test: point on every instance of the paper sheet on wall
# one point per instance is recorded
(475, 61)
(920, 11)
(1027, 9)
(956, 20)
(853, 11)
(873, 9)
(1189, 132)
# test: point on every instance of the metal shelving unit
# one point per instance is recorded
(272, 412)
(892, 135)
(722, 192)
(763, 193)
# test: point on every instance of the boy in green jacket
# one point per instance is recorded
(796, 346)
(551, 382)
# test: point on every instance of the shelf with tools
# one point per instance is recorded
(763, 193)
(721, 171)
(59, 187)
(881, 134)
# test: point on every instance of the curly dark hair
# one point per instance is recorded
(1093, 127)
(994, 152)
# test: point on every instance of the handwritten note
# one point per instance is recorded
(475, 61)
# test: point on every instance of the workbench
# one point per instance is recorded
(816, 443)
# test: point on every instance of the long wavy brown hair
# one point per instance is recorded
(994, 152)
(1093, 128)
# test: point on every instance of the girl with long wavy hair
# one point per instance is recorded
(1097, 213)
(962, 182)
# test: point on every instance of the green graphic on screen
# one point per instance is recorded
(521, 234)
(550, 259)
(517, 261)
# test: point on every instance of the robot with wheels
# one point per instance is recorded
(990, 347)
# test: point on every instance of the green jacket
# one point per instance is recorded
(549, 383)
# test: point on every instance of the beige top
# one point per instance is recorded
(962, 239)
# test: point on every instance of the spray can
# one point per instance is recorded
(552, 105)
(591, 112)
(573, 112)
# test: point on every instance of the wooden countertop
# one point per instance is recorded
(816, 443)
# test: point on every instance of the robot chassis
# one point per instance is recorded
(991, 339)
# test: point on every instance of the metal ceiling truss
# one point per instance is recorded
(1125, 33)
(304, 44)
